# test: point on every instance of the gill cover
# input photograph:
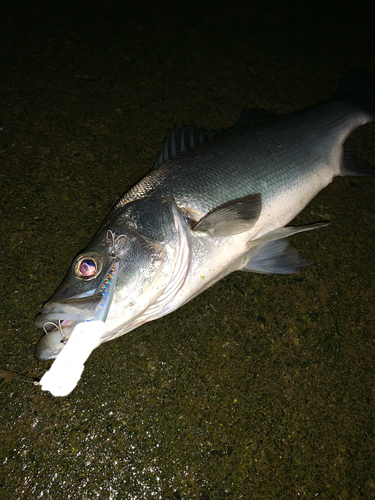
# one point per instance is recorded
(147, 286)
(148, 238)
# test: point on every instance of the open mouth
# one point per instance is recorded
(74, 309)
(58, 319)
(55, 336)
(49, 326)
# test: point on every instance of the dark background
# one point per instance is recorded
(263, 386)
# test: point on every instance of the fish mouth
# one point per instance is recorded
(53, 340)
(77, 308)
(58, 318)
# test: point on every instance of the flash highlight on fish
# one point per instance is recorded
(214, 202)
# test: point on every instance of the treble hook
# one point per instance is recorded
(56, 326)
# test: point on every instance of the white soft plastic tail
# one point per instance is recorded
(66, 370)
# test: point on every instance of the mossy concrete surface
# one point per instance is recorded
(263, 386)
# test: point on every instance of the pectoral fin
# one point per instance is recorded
(233, 217)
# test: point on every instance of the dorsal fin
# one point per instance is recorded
(188, 137)
(248, 116)
(178, 140)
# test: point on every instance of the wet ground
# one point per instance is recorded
(263, 386)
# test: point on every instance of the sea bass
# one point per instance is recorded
(214, 202)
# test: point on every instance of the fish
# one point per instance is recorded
(214, 202)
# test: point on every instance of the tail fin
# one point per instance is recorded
(357, 88)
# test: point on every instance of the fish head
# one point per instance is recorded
(127, 275)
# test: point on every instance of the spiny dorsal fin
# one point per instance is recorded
(187, 137)
(178, 140)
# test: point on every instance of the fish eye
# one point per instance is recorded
(87, 267)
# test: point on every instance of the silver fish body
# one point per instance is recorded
(219, 205)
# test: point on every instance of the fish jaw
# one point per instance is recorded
(81, 309)
(58, 319)
(53, 342)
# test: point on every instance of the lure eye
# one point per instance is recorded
(87, 267)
